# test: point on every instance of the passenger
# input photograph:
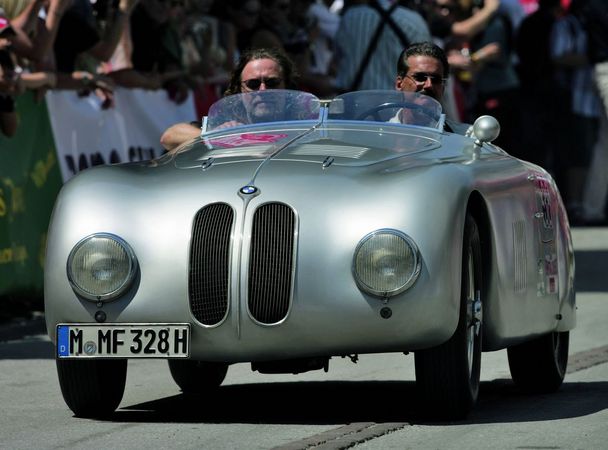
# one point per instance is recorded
(257, 70)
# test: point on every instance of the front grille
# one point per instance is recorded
(271, 262)
(209, 263)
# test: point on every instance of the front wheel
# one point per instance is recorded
(92, 388)
(197, 377)
(447, 376)
(539, 366)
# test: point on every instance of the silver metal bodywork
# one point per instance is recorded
(343, 179)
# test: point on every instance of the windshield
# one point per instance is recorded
(279, 105)
(408, 108)
(274, 105)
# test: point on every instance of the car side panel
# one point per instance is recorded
(528, 282)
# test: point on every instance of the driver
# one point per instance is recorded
(257, 70)
(423, 67)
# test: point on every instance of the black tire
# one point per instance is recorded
(92, 388)
(539, 366)
(197, 377)
(447, 376)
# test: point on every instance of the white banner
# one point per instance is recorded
(87, 135)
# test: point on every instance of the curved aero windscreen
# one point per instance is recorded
(408, 108)
(259, 107)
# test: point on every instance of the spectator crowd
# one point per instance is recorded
(539, 66)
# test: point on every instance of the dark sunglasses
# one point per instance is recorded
(421, 77)
(255, 83)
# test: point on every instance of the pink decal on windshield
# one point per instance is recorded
(246, 139)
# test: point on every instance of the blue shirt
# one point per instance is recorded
(357, 26)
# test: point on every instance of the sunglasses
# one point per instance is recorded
(255, 83)
(421, 77)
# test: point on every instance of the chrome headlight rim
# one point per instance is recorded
(414, 273)
(124, 286)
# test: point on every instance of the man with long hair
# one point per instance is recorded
(257, 70)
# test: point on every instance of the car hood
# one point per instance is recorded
(278, 160)
(342, 145)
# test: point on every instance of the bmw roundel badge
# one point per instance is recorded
(249, 190)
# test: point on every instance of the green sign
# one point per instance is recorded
(29, 182)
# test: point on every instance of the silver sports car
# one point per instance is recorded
(297, 229)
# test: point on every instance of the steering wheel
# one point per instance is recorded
(405, 105)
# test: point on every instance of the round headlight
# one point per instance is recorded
(101, 267)
(386, 263)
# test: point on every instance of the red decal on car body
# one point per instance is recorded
(246, 139)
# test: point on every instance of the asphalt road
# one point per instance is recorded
(367, 405)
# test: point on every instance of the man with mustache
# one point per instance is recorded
(257, 70)
(423, 67)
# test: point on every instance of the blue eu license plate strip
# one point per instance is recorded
(62, 341)
(123, 340)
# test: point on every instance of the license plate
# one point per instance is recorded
(133, 340)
